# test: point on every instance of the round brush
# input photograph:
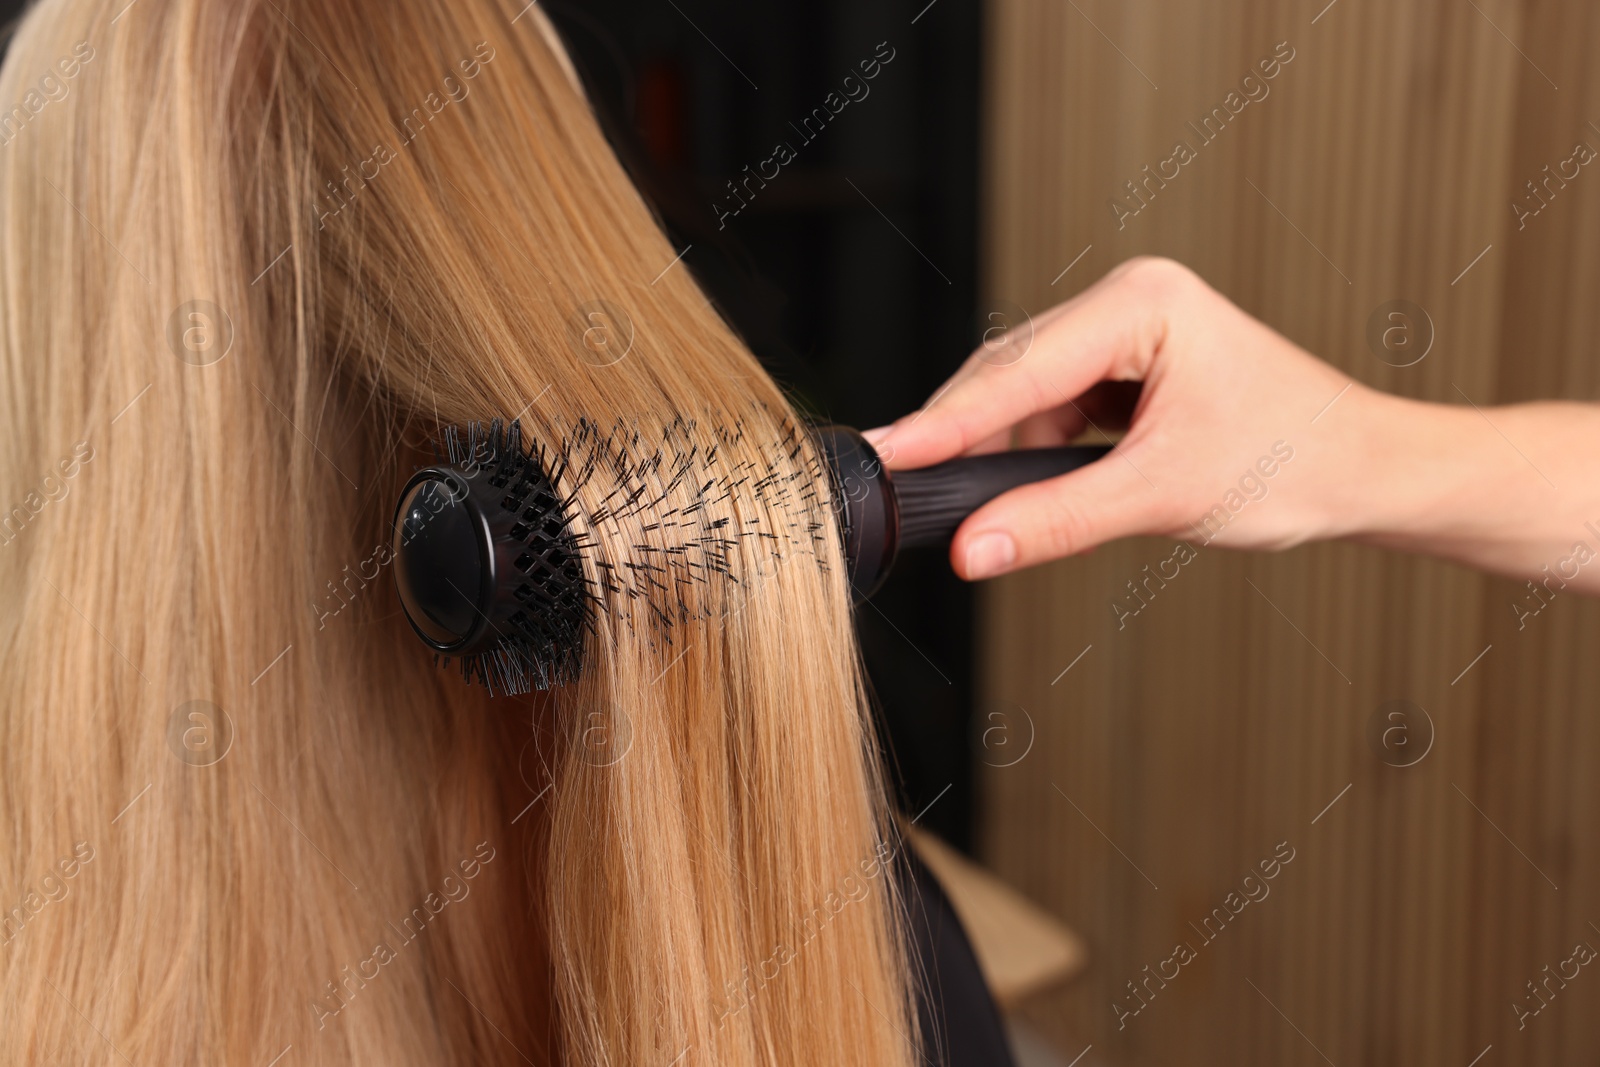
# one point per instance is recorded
(490, 569)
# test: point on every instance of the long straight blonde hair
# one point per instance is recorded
(256, 255)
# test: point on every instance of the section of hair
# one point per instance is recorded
(257, 257)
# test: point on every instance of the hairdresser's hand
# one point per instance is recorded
(1241, 437)
(1226, 407)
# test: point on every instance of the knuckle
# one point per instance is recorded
(1158, 276)
(1068, 528)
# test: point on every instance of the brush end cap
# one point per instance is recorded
(444, 563)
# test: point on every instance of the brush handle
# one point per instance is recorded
(933, 501)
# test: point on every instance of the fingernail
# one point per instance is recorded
(990, 554)
(876, 435)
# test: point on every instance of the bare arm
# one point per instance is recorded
(1515, 490)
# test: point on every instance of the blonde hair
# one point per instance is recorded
(255, 256)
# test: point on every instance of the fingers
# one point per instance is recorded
(1034, 523)
(1048, 429)
(999, 442)
(1113, 329)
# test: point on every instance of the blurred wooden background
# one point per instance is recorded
(1177, 753)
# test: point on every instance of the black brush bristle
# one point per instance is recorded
(540, 642)
(653, 529)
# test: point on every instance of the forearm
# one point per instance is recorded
(1514, 490)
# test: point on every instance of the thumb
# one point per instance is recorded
(1048, 520)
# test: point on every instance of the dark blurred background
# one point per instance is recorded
(852, 274)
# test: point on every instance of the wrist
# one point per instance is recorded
(1422, 470)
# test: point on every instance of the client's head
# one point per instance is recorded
(256, 256)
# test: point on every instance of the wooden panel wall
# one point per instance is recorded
(1178, 752)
